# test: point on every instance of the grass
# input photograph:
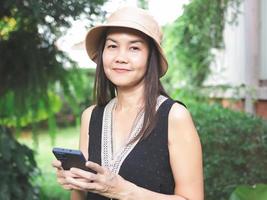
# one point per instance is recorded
(65, 137)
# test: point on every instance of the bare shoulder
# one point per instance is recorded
(84, 131)
(179, 112)
(85, 119)
(181, 125)
(86, 114)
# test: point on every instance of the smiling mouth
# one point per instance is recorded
(121, 70)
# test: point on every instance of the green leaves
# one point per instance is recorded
(234, 148)
(189, 41)
(7, 25)
(13, 114)
(245, 192)
(17, 169)
(32, 74)
(31, 66)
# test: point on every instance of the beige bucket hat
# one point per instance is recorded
(128, 17)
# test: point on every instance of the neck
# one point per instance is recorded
(130, 99)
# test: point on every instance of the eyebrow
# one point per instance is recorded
(132, 41)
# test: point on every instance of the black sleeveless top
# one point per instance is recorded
(147, 165)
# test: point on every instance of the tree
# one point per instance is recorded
(30, 67)
(190, 39)
(30, 61)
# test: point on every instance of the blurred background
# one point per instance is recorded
(217, 67)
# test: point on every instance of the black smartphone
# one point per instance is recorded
(70, 158)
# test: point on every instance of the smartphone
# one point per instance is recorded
(70, 158)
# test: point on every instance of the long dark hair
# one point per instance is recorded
(104, 89)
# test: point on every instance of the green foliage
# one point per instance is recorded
(17, 169)
(7, 25)
(245, 192)
(234, 148)
(31, 66)
(143, 4)
(80, 91)
(10, 117)
(31, 71)
(190, 39)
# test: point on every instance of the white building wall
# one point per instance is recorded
(228, 66)
(263, 70)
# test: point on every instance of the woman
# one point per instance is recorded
(141, 144)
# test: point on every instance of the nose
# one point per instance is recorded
(121, 56)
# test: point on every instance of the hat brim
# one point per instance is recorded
(95, 35)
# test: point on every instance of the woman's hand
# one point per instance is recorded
(103, 182)
(62, 176)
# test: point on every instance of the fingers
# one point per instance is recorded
(102, 175)
(82, 185)
(56, 164)
(100, 182)
(71, 187)
(96, 167)
(90, 177)
(102, 188)
(62, 174)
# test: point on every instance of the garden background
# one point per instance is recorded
(43, 92)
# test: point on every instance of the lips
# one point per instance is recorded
(121, 70)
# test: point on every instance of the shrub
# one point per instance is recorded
(246, 192)
(234, 148)
(17, 169)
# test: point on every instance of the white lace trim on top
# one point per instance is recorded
(114, 162)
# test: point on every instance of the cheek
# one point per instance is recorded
(141, 61)
(106, 63)
(106, 69)
(105, 59)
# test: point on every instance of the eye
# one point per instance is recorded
(111, 46)
(134, 48)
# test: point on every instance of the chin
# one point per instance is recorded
(126, 82)
(123, 84)
(128, 85)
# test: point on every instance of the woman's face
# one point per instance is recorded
(125, 57)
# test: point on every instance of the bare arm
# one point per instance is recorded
(185, 158)
(185, 154)
(83, 145)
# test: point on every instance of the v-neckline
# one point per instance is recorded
(130, 136)
(107, 159)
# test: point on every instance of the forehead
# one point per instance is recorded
(131, 33)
